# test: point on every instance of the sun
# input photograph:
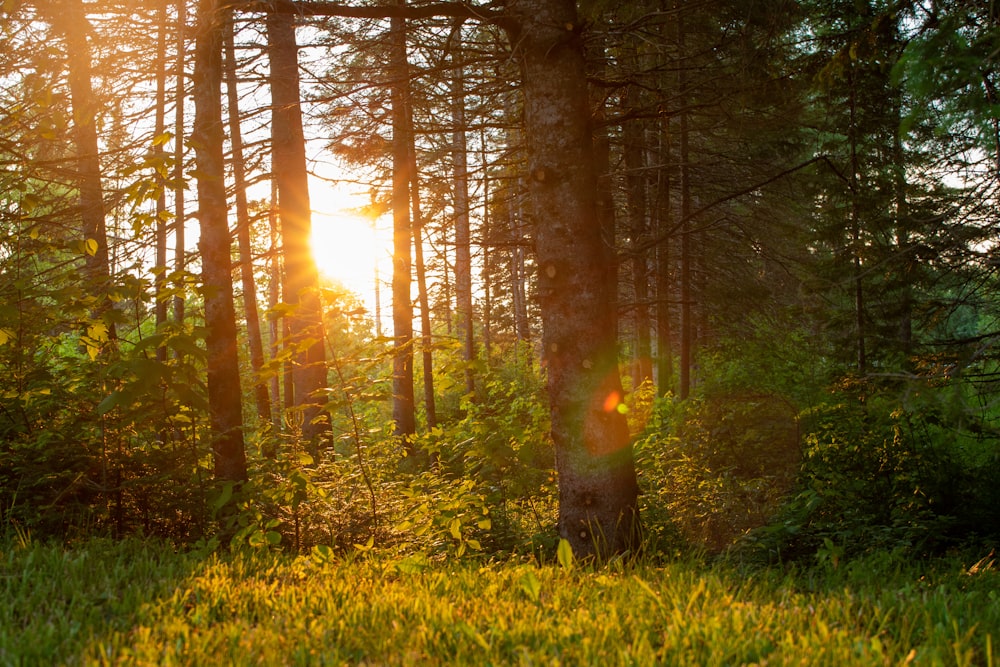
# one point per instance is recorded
(347, 245)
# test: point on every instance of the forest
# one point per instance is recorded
(435, 283)
(499, 331)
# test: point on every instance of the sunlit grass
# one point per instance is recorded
(132, 603)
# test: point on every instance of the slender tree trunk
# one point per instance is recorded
(633, 136)
(224, 395)
(69, 18)
(426, 351)
(485, 235)
(463, 252)
(597, 481)
(160, 128)
(261, 398)
(687, 316)
(276, 325)
(402, 310)
(855, 223)
(180, 215)
(664, 348)
(301, 278)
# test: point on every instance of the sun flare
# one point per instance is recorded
(346, 244)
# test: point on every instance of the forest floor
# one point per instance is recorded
(133, 602)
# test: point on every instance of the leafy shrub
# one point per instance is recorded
(717, 467)
(878, 473)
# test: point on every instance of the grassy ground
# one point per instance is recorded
(101, 602)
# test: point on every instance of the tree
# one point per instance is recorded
(403, 403)
(301, 278)
(224, 394)
(598, 491)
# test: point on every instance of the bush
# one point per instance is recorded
(714, 468)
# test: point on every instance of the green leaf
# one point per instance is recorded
(109, 402)
(272, 537)
(224, 497)
(565, 555)
(455, 528)
(531, 586)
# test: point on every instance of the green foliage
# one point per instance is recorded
(714, 468)
(141, 603)
(880, 473)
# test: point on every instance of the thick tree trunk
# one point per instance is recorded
(301, 278)
(224, 395)
(597, 481)
(402, 310)
(261, 397)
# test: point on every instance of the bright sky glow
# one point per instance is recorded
(345, 242)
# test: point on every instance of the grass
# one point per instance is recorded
(137, 603)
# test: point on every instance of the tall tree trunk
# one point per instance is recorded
(402, 310)
(180, 215)
(276, 325)
(664, 349)
(633, 136)
(463, 252)
(485, 234)
(687, 316)
(855, 227)
(69, 18)
(597, 481)
(160, 127)
(261, 397)
(426, 351)
(301, 278)
(224, 395)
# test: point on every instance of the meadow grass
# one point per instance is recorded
(102, 602)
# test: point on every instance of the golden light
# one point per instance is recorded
(346, 245)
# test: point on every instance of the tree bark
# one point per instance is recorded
(301, 277)
(598, 513)
(69, 18)
(426, 340)
(160, 127)
(180, 215)
(224, 395)
(402, 310)
(261, 397)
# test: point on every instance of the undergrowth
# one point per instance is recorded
(101, 602)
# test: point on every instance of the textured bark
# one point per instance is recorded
(249, 284)
(597, 480)
(301, 277)
(402, 308)
(224, 395)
